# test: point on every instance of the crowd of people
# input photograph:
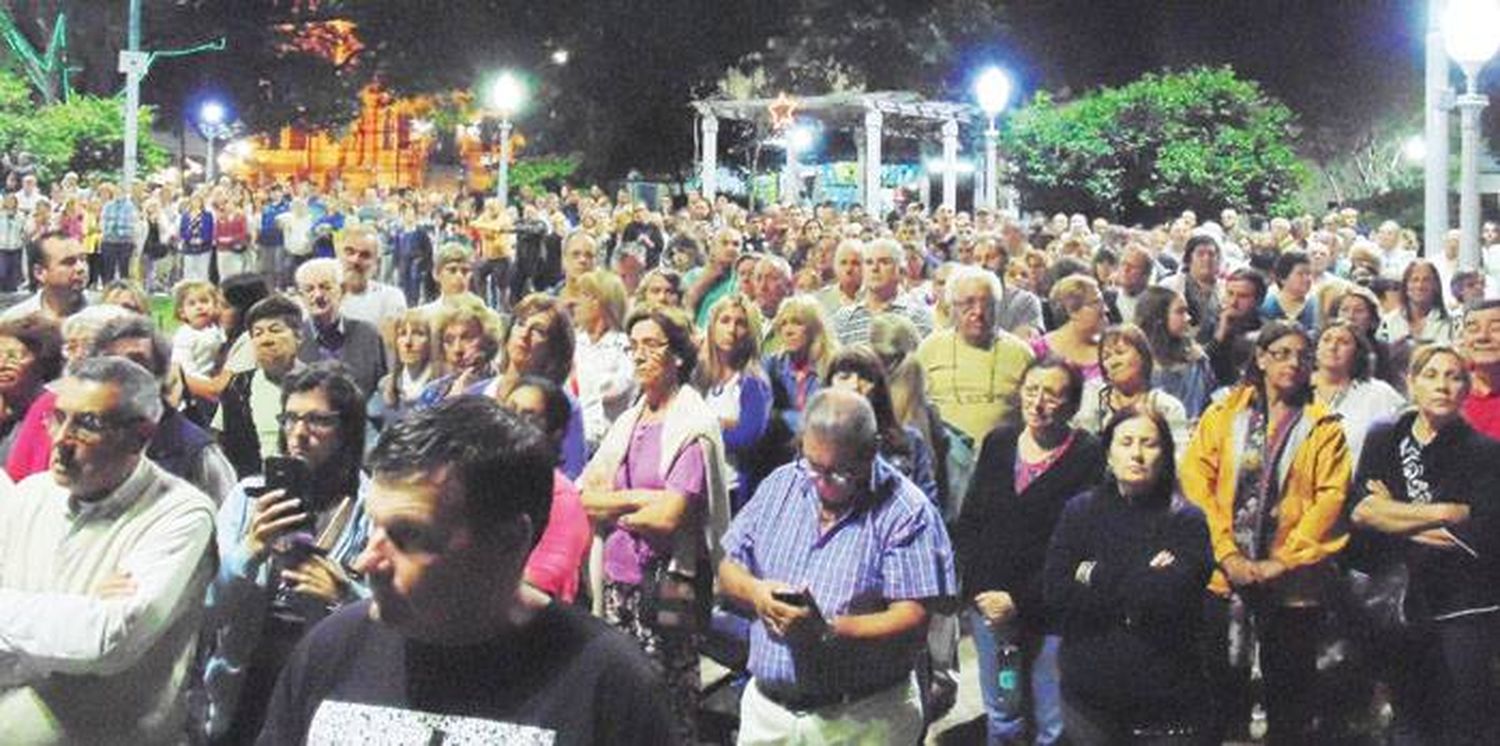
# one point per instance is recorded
(286, 465)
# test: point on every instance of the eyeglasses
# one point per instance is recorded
(831, 477)
(88, 427)
(317, 421)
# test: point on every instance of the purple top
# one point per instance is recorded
(625, 554)
(1042, 348)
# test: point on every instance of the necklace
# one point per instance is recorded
(988, 396)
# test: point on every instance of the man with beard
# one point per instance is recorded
(59, 271)
(103, 562)
(365, 298)
(332, 335)
(453, 645)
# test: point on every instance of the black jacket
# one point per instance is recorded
(1461, 465)
(1128, 632)
(239, 441)
(1000, 537)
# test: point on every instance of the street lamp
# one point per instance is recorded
(211, 125)
(993, 91)
(1471, 34)
(799, 139)
(506, 95)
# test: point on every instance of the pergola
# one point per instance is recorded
(899, 111)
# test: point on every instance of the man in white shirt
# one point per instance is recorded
(59, 269)
(104, 560)
(366, 299)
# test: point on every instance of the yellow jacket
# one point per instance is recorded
(1314, 476)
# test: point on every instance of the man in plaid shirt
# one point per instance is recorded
(117, 226)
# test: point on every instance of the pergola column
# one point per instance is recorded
(950, 164)
(708, 161)
(873, 123)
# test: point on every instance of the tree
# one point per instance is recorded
(85, 134)
(1202, 139)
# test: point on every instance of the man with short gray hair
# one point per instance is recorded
(104, 560)
(884, 260)
(330, 334)
(842, 560)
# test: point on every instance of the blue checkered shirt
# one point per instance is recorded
(117, 221)
(893, 550)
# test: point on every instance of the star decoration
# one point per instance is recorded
(783, 111)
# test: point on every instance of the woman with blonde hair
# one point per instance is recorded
(1077, 300)
(601, 351)
(414, 346)
(734, 387)
(468, 340)
(795, 371)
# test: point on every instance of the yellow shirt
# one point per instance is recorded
(974, 389)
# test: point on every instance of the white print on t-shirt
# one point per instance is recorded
(364, 725)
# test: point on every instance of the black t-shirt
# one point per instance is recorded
(565, 678)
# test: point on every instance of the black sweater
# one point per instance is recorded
(1128, 632)
(1000, 537)
(1461, 465)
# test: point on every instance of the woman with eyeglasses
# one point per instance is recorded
(1124, 576)
(1023, 478)
(1426, 495)
(30, 358)
(1080, 305)
(1269, 465)
(286, 541)
(656, 491)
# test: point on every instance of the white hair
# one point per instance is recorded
(897, 251)
(967, 273)
(321, 264)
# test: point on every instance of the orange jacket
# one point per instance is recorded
(1309, 527)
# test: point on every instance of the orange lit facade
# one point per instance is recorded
(387, 146)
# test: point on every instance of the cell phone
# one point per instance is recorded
(799, 599)
(287, 473)
(293, 475)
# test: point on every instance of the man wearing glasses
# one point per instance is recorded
(103, 562)
(842, 559)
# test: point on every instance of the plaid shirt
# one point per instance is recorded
(894, 549)
(117, 221)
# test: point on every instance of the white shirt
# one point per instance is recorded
(377, 304)
(606, 380)
(1361, 405)
(120, 665)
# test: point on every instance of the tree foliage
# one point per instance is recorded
(1202, 139)
(830, 46)
(85, 134)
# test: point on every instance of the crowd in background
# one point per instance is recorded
(1172, 471)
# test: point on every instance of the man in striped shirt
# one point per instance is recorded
(841, 557)
(883, 262)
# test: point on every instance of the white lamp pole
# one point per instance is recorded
(1471, 33)
(993, 91)
(211, 122)
(507, 94)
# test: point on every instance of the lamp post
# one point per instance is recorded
(506, 96)
(799, 140)
(993, 91)
(211, 124)
(1471, 34)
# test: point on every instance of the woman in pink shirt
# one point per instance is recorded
(555, 561)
